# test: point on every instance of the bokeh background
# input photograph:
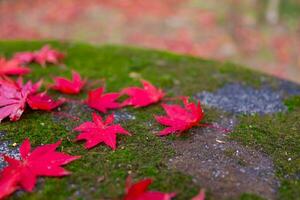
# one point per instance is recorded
(262, 34)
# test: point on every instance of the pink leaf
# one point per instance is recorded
(141, 97)
(139, 191)
(48, 55)
(13, 97)
(42, 101)
(42, 161)
(102, 102)
(69, 86)
(12, 67)
(100, 131)
(24, 57)
(179, 118)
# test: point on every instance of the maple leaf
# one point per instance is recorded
(24, 57)
(42, 56)
(199, 196)
(42, 101)
(141, 97)
(100, 131)
(12, 67)
(102, 102)
(46, 54)
(69, 86)
(42, 161)
(28, 87)
(13, 97)
(180, 119)
(8, 180)
(139, 191)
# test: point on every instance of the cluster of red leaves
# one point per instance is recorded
(43, 56)
(14, 96)
(13, 99)
(42, 161)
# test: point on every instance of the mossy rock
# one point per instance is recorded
(271, 139)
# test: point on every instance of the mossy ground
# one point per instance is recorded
(101, 173)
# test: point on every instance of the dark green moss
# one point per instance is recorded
(292, 103)
(250, 197)
(278, 136)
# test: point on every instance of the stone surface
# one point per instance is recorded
(240, 99)
(227, 168)
(7, 148)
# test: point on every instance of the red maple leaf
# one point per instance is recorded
(139, 191)
(24, 57)
(48, 55)
(141, 97)
(102, 102)
(100, 131)
(13, 97)
(180, 119)
(69, 86)
(12, 67)
(199, 196)
(42, 56)
(42, 101)
(42, 161)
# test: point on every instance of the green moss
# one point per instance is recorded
(250, 197)
(278, 136)
(292, 103)
(102, 172)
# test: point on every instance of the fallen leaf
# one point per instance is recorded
(141, 97)
(179, 118)
(24, 57)
(13, 98)
(45, 55)
(42, 161)
(100, 131)
(48, 55)
(12, 67)
(139, 191)
(69, 86)
(42, 101)
(102, 102)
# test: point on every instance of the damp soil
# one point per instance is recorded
(224, 167)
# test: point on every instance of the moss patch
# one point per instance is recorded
(292, 103)
(278, 136)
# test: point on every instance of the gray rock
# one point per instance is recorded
(6, 148)
(240, 99)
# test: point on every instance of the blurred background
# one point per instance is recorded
(262, 34)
